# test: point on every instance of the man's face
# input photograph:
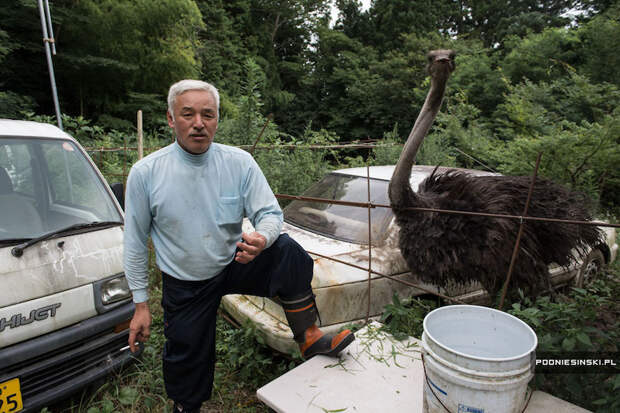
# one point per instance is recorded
(195, 120)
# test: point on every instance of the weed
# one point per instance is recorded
(243, 352)
(404, 317)
(584, 320)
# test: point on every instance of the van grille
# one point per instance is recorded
(60, 370)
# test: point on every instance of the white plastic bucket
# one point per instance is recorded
(477, 360)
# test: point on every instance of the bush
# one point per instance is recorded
(585, 320)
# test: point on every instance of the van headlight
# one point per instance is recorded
(110, 291)
(114, 290)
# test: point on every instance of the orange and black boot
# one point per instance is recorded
(301, 313)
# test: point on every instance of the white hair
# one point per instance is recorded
(183, 86)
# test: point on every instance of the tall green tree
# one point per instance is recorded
(478, 78)
(221, 48)
(11, 103)
(391, 19)
(600, 55)
(277, 34)
(109, 52)
(541, 56)
(113, 47)
(358, 93)
(24, 77)
(384, 25)
(352, 21)
(493, 20)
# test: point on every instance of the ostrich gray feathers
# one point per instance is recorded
(443, 248)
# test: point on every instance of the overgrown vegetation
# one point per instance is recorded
(404, 317)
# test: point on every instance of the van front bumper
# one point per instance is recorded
(53, 366)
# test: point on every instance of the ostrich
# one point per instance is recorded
(450, 248)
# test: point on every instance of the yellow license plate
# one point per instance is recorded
(10, 396)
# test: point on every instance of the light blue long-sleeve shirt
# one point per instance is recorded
(193, 207)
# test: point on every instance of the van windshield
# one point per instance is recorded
(346, 223)
(46, 185)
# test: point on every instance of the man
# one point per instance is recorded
(191, 197)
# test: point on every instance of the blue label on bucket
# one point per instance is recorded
(469, 409)
(437, 387)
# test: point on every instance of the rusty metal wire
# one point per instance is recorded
(391, 277)
(345, 145)
(515, 250)
(447, 211)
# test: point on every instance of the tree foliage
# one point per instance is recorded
(115, 47)
(529, 75)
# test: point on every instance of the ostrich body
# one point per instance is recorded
(450, 248)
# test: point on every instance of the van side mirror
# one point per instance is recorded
(119, 192)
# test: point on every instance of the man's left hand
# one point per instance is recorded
(253, 245)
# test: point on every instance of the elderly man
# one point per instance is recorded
(191, 197)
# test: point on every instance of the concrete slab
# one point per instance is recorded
(544, 402)
(376, 373)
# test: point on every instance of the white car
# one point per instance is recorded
(340, 232)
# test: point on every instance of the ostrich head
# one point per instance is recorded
(440, 66)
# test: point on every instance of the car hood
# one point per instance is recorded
(385, 258)
(60, 264)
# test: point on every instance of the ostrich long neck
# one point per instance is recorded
(432, 104)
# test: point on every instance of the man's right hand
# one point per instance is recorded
(140, 326)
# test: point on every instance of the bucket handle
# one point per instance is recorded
(429, 384)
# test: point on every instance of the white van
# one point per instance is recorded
(65, 305)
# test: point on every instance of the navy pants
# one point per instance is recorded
(190, 309)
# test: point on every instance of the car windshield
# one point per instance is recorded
(46, 185)
(347, 223)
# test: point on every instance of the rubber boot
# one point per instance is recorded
(301, 314)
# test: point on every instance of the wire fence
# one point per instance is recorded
(128, 154)
(97, 152)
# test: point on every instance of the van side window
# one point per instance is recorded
(17, 163)
(18, 203)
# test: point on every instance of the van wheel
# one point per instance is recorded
(590, 269)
